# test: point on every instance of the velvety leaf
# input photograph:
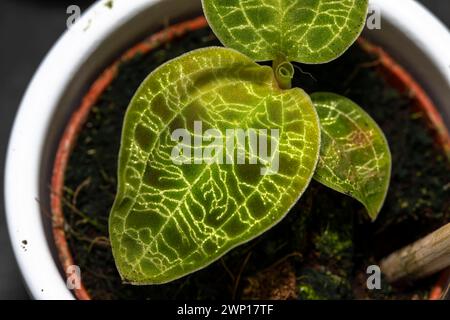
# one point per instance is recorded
(307, 31)
(170, 219)
(354, 156)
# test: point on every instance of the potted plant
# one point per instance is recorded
(324, 242)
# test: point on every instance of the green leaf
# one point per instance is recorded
(306, 31)
(354, 156)
(168, 219)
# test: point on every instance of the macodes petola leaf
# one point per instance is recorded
(307, 31)
(189, 187)
(354, 156)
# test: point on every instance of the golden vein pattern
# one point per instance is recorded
(170, 220)
(354, 158)
(307, 31)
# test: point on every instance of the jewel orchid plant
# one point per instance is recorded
(172, 217)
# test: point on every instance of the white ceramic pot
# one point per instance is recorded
(409, 32)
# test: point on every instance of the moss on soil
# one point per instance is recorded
(326, 238)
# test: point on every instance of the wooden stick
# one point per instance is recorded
(420, 259)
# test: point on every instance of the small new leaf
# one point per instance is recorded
(306, 31)
(170, 219)
(354, 156)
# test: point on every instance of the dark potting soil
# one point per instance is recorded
(321, 249)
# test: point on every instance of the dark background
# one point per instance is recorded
(28, 29)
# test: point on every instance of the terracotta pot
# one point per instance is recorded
(388, 68)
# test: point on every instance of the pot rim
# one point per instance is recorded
(30, 131)
(27, 144)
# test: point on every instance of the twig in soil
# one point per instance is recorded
(446, 294)
(180, 288)
(222, 261)
(421, 258)
(359, 67)
(83, 215)
(66, 189)
(100, 241)
(85, 183)
(291, 255)
(97, 241)
(238, 278)
(110, 180)
(304, 72)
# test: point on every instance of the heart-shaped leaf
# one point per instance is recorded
(307, 31)
(177, 207)
(354, 156)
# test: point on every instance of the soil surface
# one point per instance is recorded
(321, 249)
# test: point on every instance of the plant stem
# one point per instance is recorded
(420, 259)
(284, 72)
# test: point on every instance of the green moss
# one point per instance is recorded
(333, 245)
(307, 292)
(322, 284)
